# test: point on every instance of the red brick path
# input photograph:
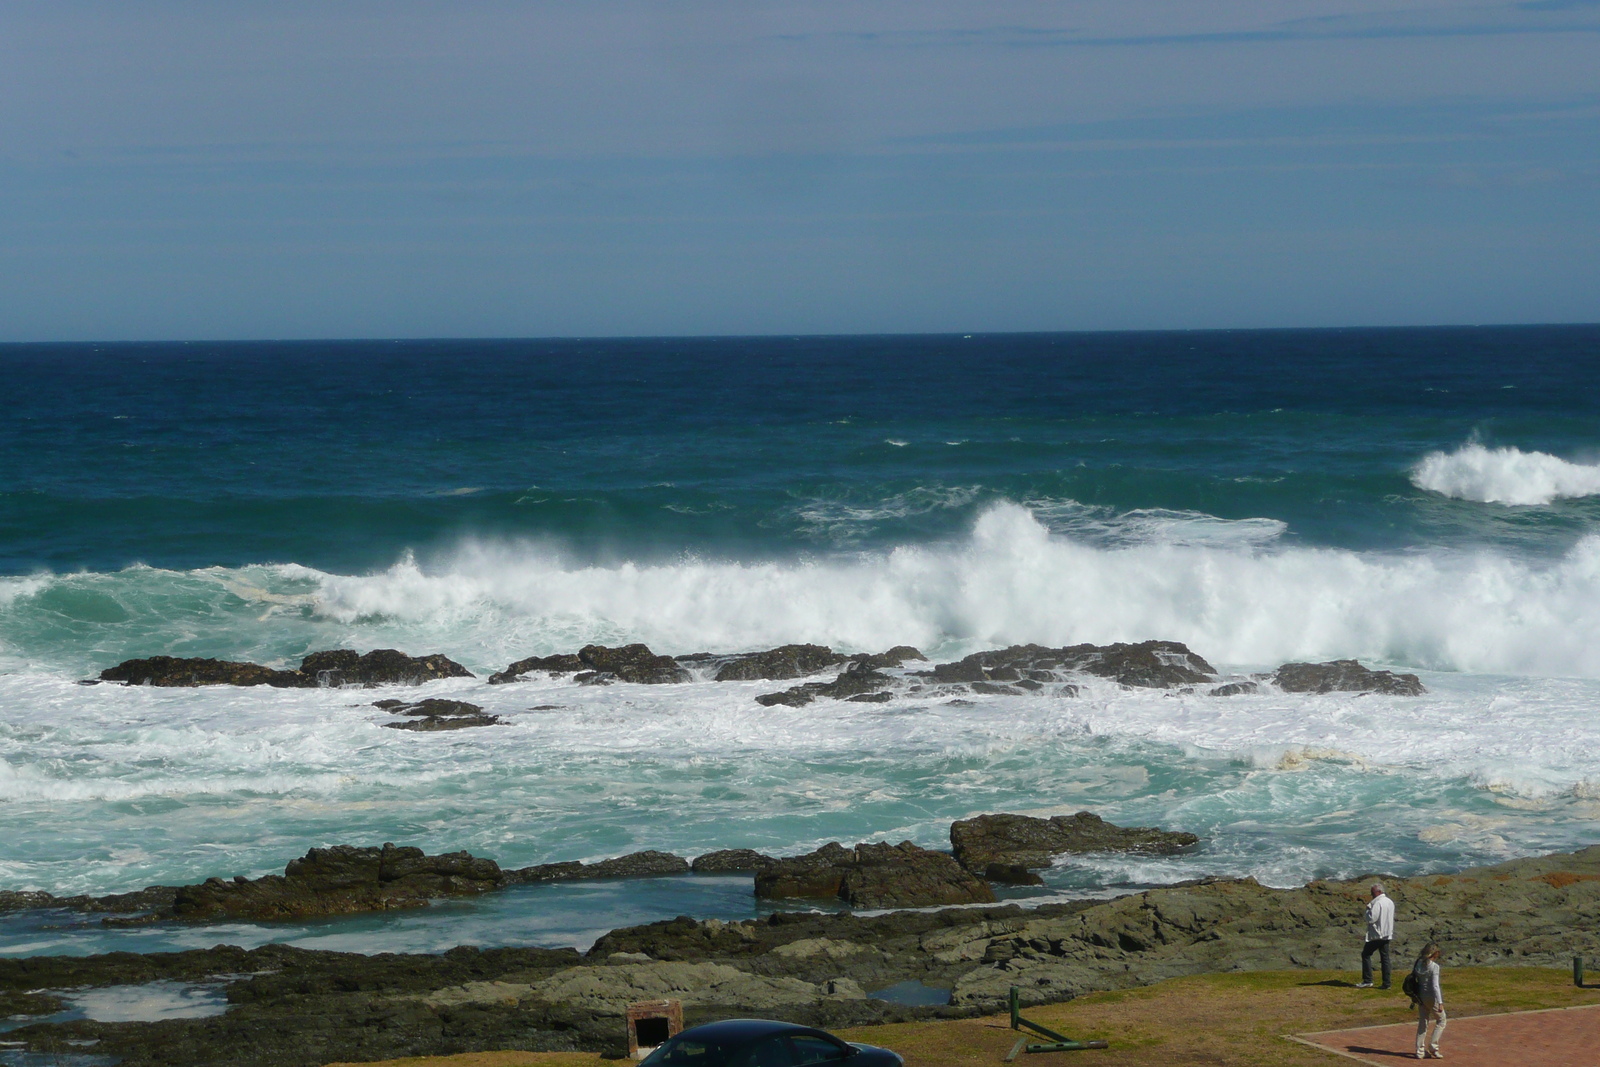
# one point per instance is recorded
(1562, 1037)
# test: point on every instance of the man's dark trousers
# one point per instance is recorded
(1381, 947)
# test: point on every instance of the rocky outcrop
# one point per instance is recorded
(383, 666)
(874, 876)
(777, 664)
(647, 864)
(893, 658)
(600, 665)
(1344, 676)
(1001, 847)
(434, 714)
(338, 881)
(1149, 665)
(565, 663)
(184, 672)
(731, 861)
(858, 682)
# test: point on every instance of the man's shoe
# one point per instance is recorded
(1363, 985)
(1384, 986)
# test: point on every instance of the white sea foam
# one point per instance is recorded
(1011, 581)
(1504, 476)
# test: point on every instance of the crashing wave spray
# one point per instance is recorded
(1504, 476)
(1013, 581)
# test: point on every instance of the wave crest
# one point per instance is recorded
(1504, 476)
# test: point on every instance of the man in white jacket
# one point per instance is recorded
(1380, 931)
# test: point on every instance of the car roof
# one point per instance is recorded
(746, 1030)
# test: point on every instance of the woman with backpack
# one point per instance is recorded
(1423, 985)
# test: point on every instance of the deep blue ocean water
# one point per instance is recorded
(1423, 499)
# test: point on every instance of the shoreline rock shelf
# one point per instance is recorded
(293, 1007)
(347, 879)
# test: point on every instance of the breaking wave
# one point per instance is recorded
(1504, 476)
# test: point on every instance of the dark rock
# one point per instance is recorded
(1234, 689)
(382, 666)
(1344, 676)
(777, 664)
(341, 880)
(647, 864)
(731, 860)
(893, 658)
(1024, 841)
(561, 664)
(600, 665)
(436, 723)
(1012, 874)
(873, 876)
(855, 681)
(182, 672)
(430, 706)
(1149, 664)
(797, 697)
(993, 689)
(871, 698)
(433, 714)
(634, 663)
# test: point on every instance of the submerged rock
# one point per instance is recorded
(175, 671)
(1001, 842)
(434, 714)
(1345, 676)
(341, 880)
(1149, 664)
(857, 682)
(874, 876)
(598, 664)
(1234, 689)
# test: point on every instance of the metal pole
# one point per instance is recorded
(1577, 971)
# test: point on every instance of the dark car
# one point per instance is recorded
(764, 1043)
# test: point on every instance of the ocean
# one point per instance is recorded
(1425, 500)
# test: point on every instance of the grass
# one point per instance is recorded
(1221, 1019)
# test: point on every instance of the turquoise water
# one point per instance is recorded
(1420, 499)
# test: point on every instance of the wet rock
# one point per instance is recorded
(562, 664)
(1027, 842)
(341, 880)
(600, 665)
(855, 681)
(184, 672)
(1234, 689)
(647, 864)
(731, 860)
(382, 666)
(997, 689)
(873, 876)
(1149, 664)
(1344, 676)
(894, 657)
(1011, 874)
(433, 714)
(871, 698)
(777, 664)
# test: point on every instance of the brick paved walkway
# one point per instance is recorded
(1561, 1037)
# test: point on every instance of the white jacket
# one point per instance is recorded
(1380, 918)
(1428, 990)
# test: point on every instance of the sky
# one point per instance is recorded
(287, 169)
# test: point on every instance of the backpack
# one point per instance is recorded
(1412, 987)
